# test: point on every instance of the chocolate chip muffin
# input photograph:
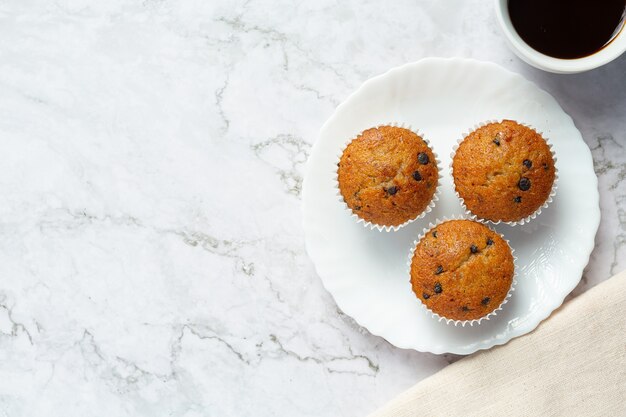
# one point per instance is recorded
(462, 270)
(503, 171)
(388, 175)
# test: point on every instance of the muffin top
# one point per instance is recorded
(387, 175)
(462, 270)
(503, 171)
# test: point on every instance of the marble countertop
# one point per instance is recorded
(152, 260)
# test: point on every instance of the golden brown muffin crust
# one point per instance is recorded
(462, 270)
(387, 175)
(503, 171)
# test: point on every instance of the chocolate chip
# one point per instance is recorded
(392, 190)
(485, 301)
(438, 288)
(465, 308)
(357, 208)
(435, 234)
(527, 163)
(422, 158)
(416, 176)
(518, 199)
(489, 242)
(545, 166)
(524, 184)
(496, 141)
(426, 296)
(474, 249)
(439, 270)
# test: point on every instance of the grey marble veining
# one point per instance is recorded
(151, 251)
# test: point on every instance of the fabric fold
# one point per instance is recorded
(573, 364)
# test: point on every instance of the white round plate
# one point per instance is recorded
(365, 270)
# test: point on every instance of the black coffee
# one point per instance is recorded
(567, 28)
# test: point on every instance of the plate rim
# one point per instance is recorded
(585, 248)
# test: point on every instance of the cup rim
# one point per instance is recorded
(611, 51)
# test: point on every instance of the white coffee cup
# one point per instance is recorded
(547, 63)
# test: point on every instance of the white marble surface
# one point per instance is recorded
(151, 249)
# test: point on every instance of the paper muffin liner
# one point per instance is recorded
(439, 317)
(381, 227)
(527, 219)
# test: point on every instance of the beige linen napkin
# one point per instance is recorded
(573, 364)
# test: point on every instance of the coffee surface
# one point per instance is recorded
(567, 28)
